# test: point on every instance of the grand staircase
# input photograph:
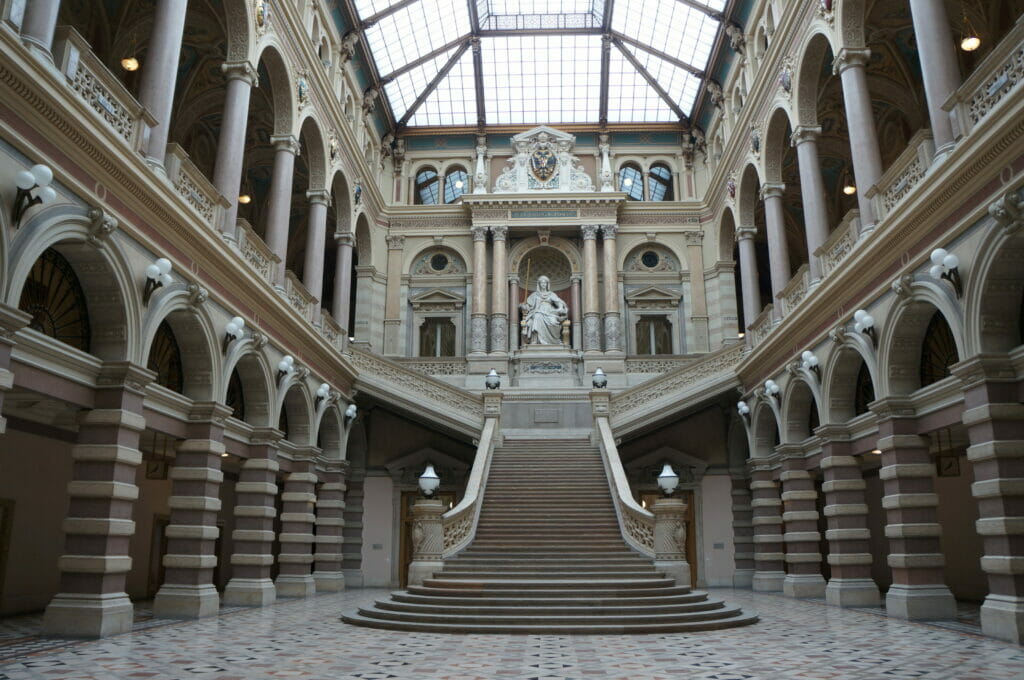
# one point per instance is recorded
(548, 557)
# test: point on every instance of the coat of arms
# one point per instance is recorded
(543, 163)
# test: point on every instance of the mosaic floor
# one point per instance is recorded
(304, 639)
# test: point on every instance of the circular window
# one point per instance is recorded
(439, 262)
(650, 259)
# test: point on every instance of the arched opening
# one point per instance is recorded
(456, 182)
(307, 180)
(659, 183)
(751, 209)
(294, 419)
(165, 359)
(248, 391)
(938, 351)
(427, 187)
(54, 297)
(801, 412)
(783, 170)
(235, 396)
(631, 181)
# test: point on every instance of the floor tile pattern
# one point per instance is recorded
(305, 640)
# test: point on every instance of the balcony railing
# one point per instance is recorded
(193, 186)
(436, 366)
(761, 326)
(839, 243)
(795, 291)
(903, 175)
(331, 330)
(298, 297)
(654, 365)
(256, 252)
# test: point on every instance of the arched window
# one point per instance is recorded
(938, 350)
(864, 392)
(426, 189)
(659, 183)
(54, 298)
(456, 182)
(631, 181)
(165, 359)
(235, 398)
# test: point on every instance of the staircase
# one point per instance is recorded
(548, 557)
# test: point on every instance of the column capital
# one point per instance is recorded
(694, 238)
(240, 70)
(344, 238)
(286, 143)
(395, 241)
(805, 133)
(319, 196)
(893, 408)
(499, 232)
(743, 233)
(479, 233)
(849, 57)
(589, 231)
(772, 190)
(209, 412)
(608, 231)
(124, 375)
(576, 279)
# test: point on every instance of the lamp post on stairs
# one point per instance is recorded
(670, 530)
(427, 530)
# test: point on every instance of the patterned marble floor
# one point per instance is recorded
(304, 639)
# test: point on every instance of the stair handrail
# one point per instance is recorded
(636, 523)
(459, 523)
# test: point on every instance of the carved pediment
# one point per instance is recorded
(438, 299)
(543, 160)
(653, 297)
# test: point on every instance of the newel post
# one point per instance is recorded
(670, 539)
(427, 539)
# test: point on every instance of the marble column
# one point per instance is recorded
(478, 311)
(612, 315)
(765, 504)
(860, 120)
(748, 275)
(38, 24)
(846, 511)
(160, 73)
(286, 148)
(800, 519)
(700, 340)
(330, 523)
(742, 531)
(499, 290)
(939, 68)
(994, 418)
(343, 280)
(91, 600)
(576, 312)
(778, 250)
(316, 236)
(918, 590)
(393, 296)
(11, 321)
(812, 193)
(514, 331)
(188, 590)
(298, 501)
(227, 171)
(255, 510)
(591, 308)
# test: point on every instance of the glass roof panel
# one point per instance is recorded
(416, 30)
(542, 79)
(631, 99)
(681, 86)
(668, 26)
(539, 14)
(453, 102)
(403, 90)
(367, 8)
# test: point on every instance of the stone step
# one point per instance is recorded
(480, 599)
(560, 574)
(546, 609)
(594, 586)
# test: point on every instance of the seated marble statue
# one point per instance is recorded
(543, 313)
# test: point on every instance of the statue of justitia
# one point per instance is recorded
(543, 314)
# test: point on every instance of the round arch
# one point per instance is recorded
(800, 408)
(726, 234)
(811, 59)
(776, 142)
(295, 403)
(748, 194)
(194, 332)
(564, 246)
(994, 293)
(255, 378)
(270, 55)
(841, 375)
(764, 429)
(316, 152)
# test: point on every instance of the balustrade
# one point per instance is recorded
(192, 185)
(795, 291)
(903, 175)
(256, 252)
(840, 243)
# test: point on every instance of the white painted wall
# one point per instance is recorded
(378, 521)
(716, 523)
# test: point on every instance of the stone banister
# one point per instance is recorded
(460, 522)
(905, 173)
(192, 185)
(839, 244)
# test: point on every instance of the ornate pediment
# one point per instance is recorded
(653, 297)
(543, 160)
(437, 300)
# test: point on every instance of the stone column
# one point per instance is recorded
(92, 601)
(591, 313)
(38, 25)
(769, 553)
(255, 511)
(748, 275)
(393, 296)
(939, 68)
(846, 511)
(160, 73)
(330, 522)
(918, 590)
(698, 295)
(800, 517)
(812, 193)
(343, 280)
(478, 312)
(994, 418)
(298, 500)
(670, 539)
(286, 148)
(867, 159)
(427, 540)
(188, 590)
(11, 321)
(743, 531)
(514, 331)
(612, 315)
(778, 250)
(499, 291)
(576, 313)
(313, 267)
(227, 172)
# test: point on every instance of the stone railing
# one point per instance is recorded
(795, 291)
(657, 364)
(839, 244)
(256, 252)
(331, 330)
(637, 524)
(990, 85)
(759, 329)
(193, 186)
(438, 366)
(460, 522)
(298, 297)
(903, 175)
(100, 89)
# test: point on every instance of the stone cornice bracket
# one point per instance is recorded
(772, 190)
(746, 233)
(241, 70)
(608, 231)
(479, 233)
(589, 231)
(499, 232)
(902, 286)
(267, 436)
(209, 412)
(395, 241)
(301, 373)
(804, 133)
(343, 238)
(286, 143)
(101, 225)
(893, 407)
(694, 238)
(259, 340)
(124, 375)
(838, 334)
(197, 295)
(849, 57)
(348, 46)
(319, 196)
(1008, 211)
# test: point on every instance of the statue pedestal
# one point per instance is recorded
(550, 366)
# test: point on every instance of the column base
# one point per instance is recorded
(768, 581)
(920, 603)
(353, 578)
(1002, 617)
(852, 592)
(295, 586)
(803, 585)
(329, 581)
(423, 569)
(78, 615)
(677, 569)
(250, 592)
(743, 578)
(186, 602)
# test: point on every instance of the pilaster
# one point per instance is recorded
(769, 550)
(742, 531)
(298, 501)
(330, 522)
(800, 518)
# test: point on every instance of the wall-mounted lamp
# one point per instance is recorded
(233, 330)
(865, 323)
(285, 366)
(39, 177)
(493, 380)
(946, 265)
(158, 275)
(668, 480)
(772, 389)
(743, 409)
(429, 481)
(809, 361)
(322, 393)
(350, 414)
(600, 380)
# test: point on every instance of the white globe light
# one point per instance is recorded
(283, 366)
(231, 328)
(429, 481)
(937, 255)
(238, 321)
(668, 480)
(42, 174)
(25, 180)
(951, 261)
(153, 272)
(812, 361)
(859, 315)
(166, 279)
(47, 195)
(323, 390)
(288, 359)
(164, 265)
(859, 327)
(868, 321)
(806, 356)
(350, 412)
(935, 271)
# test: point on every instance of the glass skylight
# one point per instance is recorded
(415, 30)
(681, 86)
(668, 26)
(453, 102)
(405, 88)
(630, 97)
(539, 14)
